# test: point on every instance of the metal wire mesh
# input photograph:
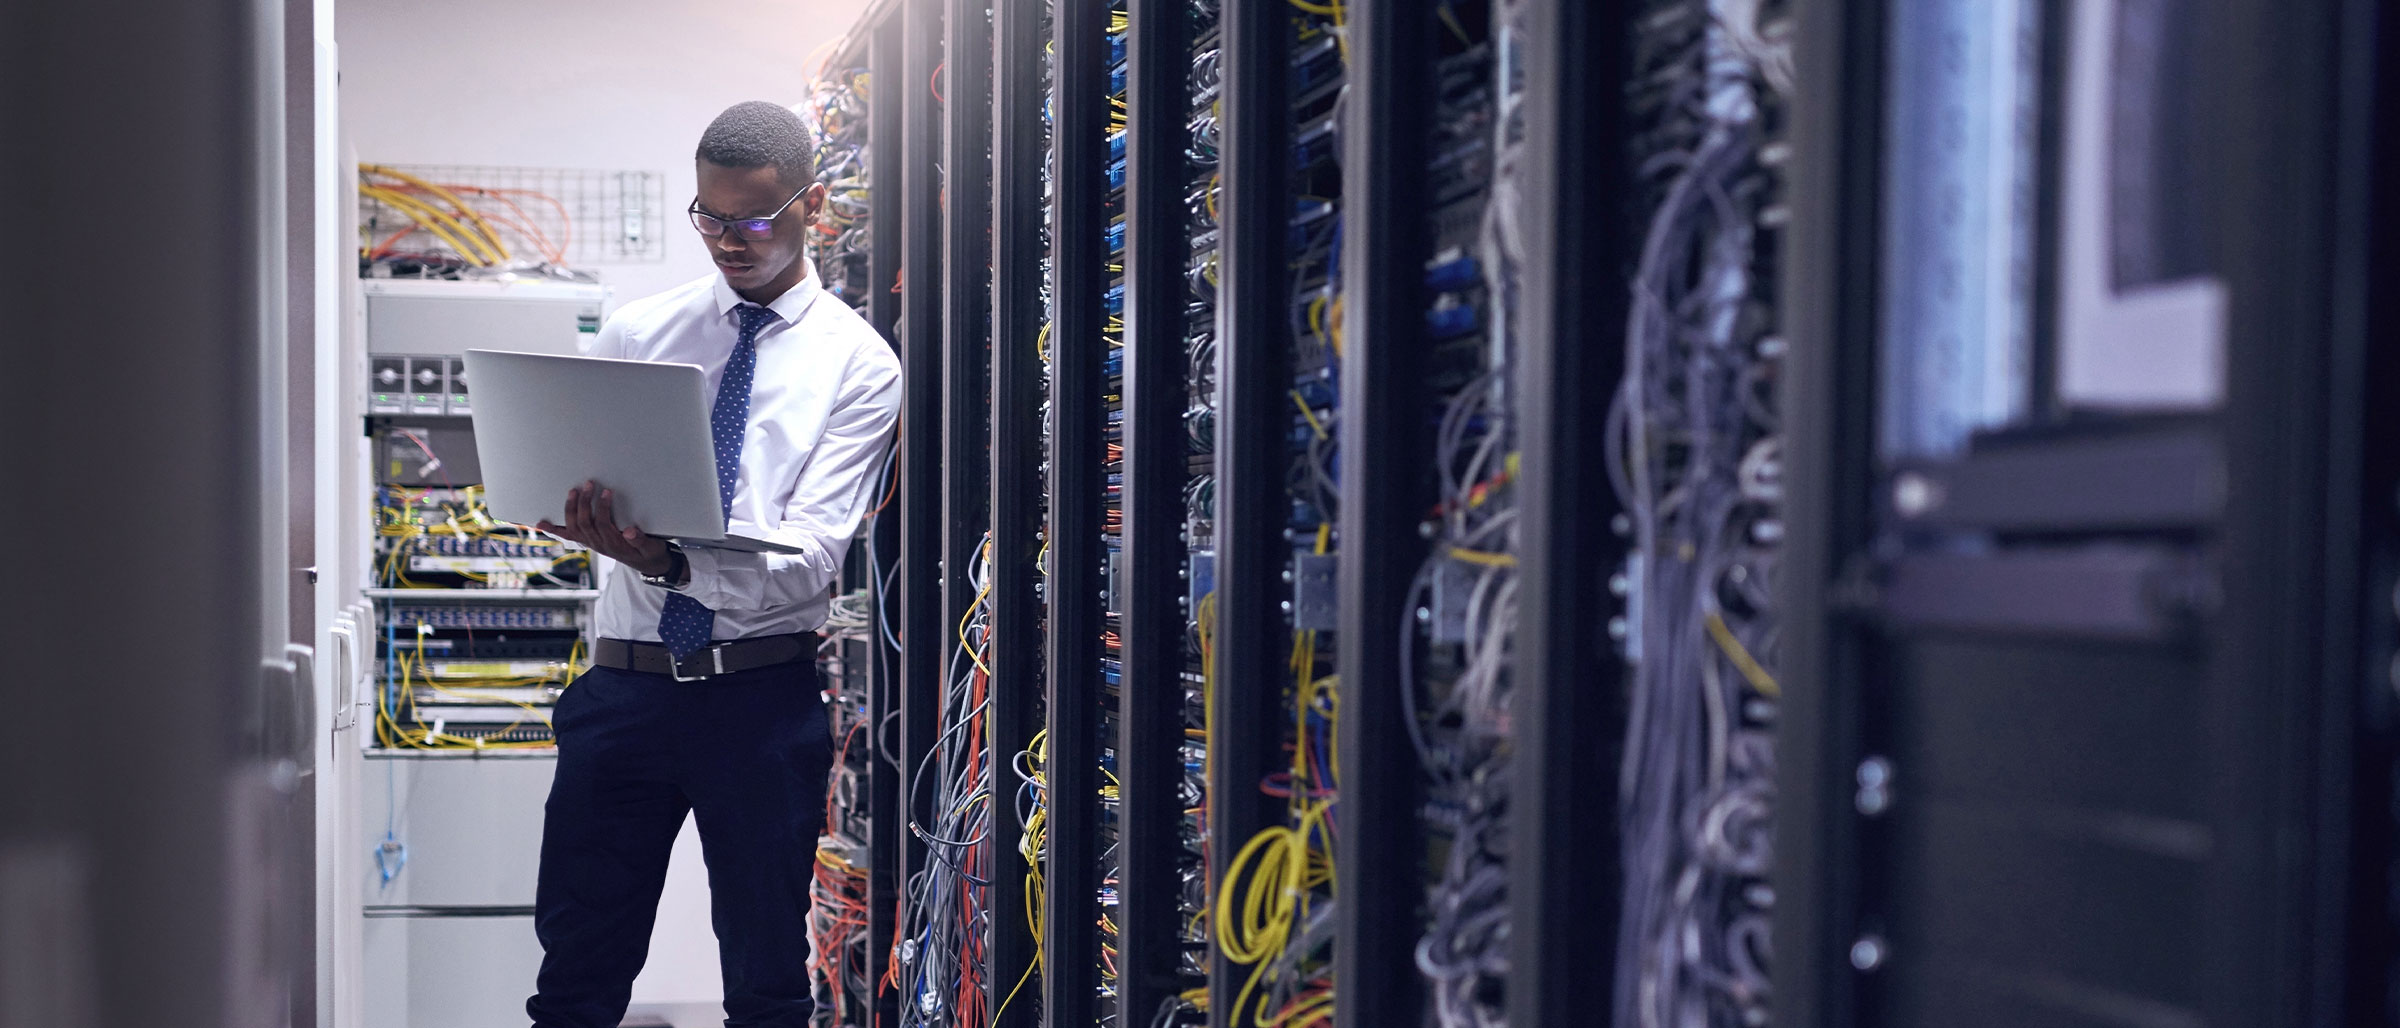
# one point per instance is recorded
(569, 216)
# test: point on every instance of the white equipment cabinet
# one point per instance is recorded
(449, 933)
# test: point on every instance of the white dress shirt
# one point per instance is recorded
(823, 398)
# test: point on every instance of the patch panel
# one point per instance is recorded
(448, 546)
(466, 671)
(1314, 143)
(478, 727)
(1453, 272)
(484, 644)
(484, 565)
(1316, 66)
(428, 698)
(1452, 321)
(484, 616)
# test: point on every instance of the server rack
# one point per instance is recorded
(922, 429)
(1131, 490)
(841, 951)
(2162, 687)
(1269, 692)
(1151, 476)
(1253, 334)
(1151, 623)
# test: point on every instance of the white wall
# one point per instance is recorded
(609, 84)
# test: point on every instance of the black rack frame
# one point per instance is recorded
(1016, 496)
(1071, 648)
(1385, 195)
(887, 156)
(1151, 545)
(1563, 874)
(921, 426)
(1254, 373)
(1831, 189)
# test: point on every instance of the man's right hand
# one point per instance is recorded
(591, 520)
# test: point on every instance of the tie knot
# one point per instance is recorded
(754, 317)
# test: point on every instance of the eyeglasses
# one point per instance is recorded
(752, 229)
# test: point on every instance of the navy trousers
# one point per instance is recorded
(746, 754)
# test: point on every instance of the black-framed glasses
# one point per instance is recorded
(752, 229)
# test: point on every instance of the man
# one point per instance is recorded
(703, 695)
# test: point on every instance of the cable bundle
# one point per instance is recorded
(839, 242)
(1694, 458)
(425, 522)
(422, 522)
(1033, 811)
(1467, 587)
(837, 919)
(1274, 907)
(880, 736)
(836, 109)
(947, 911)
(850, 616)
(471, 236)
(1272, 904)
(1200, 188)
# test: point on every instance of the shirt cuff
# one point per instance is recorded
(704, 566)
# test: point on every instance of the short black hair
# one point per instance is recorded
(755, 134)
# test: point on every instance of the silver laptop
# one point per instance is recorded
(545, 424)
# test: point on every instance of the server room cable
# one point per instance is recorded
(883, 615)
(483, 236)
(465, 242)
(1267, 913)
(947, 915)
(1194, 112)
(1271, 907)
(840, 242)
(836, 112)
(433, 737)
(1033, 813)
(517, 220)
(1456, 637)
(838, 887)
(1691, 456)
(391, 855)
(444, 525)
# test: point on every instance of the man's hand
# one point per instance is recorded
(592, 521)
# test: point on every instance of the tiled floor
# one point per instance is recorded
(674, 1015)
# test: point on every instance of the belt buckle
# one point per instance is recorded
(716, 656)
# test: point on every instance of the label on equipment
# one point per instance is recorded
(448, 670)
(432, 562)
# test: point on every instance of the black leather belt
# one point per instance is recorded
(723, 658)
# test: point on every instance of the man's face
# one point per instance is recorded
(769, 265)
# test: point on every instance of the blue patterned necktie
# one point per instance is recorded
(685, 625)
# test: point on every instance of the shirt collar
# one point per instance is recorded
(790, 306)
